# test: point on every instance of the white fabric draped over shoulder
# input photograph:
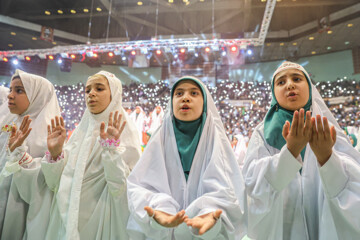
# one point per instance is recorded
(320, 203)
(90, 181)
(214, 182)
(4, 92)
(21, 193)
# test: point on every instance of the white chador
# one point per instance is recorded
(240, 149)
(90, 181)
(214, 182)
(25, 209)
(318, 203)
(4, 92)
(139, 119)
(156, 120)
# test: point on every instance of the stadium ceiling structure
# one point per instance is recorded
(272, 29)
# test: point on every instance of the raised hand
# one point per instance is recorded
(204, 222)
(322, 139)
(114, 128)
(56, 136)
(299, 134)
(17, 137)
(166, 220)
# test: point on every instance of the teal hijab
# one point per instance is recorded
(277, 115)
(188, 133)
(354, 138)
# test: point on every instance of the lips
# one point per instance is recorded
(91, 102)
(185, 108)
(291, 94)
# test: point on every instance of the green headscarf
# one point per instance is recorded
(188, 133)
(277, 115)
(354, 139)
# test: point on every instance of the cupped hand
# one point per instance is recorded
(204, 222)
(165, 219)
(18, 136)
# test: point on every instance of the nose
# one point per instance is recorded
(10, 96)
(92, 93)
(186, 97)
(290, 84)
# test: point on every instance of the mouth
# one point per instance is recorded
(291, 94)
(11, 104)
(185, 108)
(91, 102)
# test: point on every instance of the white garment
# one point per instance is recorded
(139, 120)
(240, 149)
(4, 92)
(156, 120)
(28, 202)
(321, 203)
(90, 181)
(214, 182)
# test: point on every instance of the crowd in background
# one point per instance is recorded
(236, 119)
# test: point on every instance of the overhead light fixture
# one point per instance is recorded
(263, 0)
(329, 32)
(13, 33)
(60, 11)
(294, 43)
(5, 59)
(268, 44)
(311, 38)
(282, 44)
(27, 58)
(207, 49)
(350, 25)
(54, 43)
(98, 9)
(139, 3)
(110, 54)
(233, 48)
(328, 48)
(158, 52)
(133, 52)
(72, 11)
(47, 12)
(313, 52)
(86, 10)
(34, 38)
(15, 61)
(171, 1)
(10, 45)
(347, 43)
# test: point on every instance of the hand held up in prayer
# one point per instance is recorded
(204, 222)
(322, 139)
(17, 137)
(114, 128)
(56, 136)
(166, 220)
(299, 134)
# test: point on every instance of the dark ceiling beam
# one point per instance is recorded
(221, 20)
(37, 28)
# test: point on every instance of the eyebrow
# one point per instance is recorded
(182, 89)
(293, 74)
(18, 87)
(96, 84)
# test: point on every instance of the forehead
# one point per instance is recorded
(16, 82)
(186, 84)
(288, 72)
(97, 79)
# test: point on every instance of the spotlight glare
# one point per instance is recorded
(133, 52)
(73, 56)
(182, 50)
(5, 59)
(59, 61)
(27, 58)
(15, 62)
(111, 54)
(158, 52)
(233, 48)
(249, 52)
(51, 57)
(207, 49)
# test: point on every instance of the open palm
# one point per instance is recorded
(114, 129)
(56, 136)
(17, 137)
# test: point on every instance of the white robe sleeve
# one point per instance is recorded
(115, 169)
(265, 177)
(340, 177)
(52, 171)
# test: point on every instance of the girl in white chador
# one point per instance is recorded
(139, 118)
(188, 174)
(88, 174)
(25, 200)
(303, 179)
(239, 148)
(156, 119)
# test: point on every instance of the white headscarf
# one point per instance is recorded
(139, 120)
(82, 151)
(240, 149)
(156, 120)
(43, 106)
(214, 182)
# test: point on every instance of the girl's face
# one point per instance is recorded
(188, 101)
(97, 94)
(291, 89)
(18, 100)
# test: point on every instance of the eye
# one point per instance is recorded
(178, 93)
(195, 93)
(19, 91)
(87, 91)
(280, 82)
(296, 79)
(99, 89)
